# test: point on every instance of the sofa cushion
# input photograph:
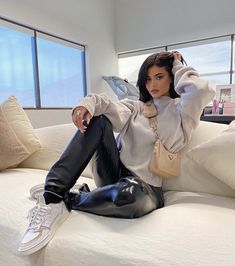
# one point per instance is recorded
(193, 176)
(192, 229)
(217, 156)
(54, 140)
(18, 139)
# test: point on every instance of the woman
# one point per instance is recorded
(125, 186)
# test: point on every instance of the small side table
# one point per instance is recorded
(222, 119)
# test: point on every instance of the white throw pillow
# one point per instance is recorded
(217, 156)
(18, 139)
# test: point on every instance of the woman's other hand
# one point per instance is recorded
(177, 55)
(81, 118)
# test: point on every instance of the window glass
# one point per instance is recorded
(16, 64)
(129, 64)
(61, 72)
(207, 57)
(220, 79)
(211, 58)
(129, 67)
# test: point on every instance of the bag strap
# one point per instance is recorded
(150, 111)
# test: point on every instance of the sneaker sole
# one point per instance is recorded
(26, 252)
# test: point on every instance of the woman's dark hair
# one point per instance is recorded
(162, 59)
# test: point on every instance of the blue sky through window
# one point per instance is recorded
(61, 74)
(16, 66)
(211, 60)
(60, 65)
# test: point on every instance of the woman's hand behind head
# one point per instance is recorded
(177, 55)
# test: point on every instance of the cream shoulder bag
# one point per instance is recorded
(162, 162)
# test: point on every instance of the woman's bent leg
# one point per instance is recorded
(65, 172)
(129, 198)
(45, 218)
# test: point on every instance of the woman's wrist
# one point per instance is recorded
(74, 109)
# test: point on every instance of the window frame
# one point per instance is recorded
(24, 28)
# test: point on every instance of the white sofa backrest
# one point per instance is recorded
(192, 177)
(54, 139)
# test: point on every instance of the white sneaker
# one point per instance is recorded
(43, 223)
(37, 190)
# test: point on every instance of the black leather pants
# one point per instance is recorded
(119, 193)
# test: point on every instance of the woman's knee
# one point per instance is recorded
(101, 120)
(129, 191)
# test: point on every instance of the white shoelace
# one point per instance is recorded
(37, 216)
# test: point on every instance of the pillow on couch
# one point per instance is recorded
(12, 151)
(17, 139)
(217, 156)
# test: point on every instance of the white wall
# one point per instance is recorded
(150, 23)
(89, 22)
(44, 118)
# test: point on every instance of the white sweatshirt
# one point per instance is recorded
(176, 120)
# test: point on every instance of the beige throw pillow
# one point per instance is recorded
(12, 151)
(217, 156)
(20, 123)
(17, 137)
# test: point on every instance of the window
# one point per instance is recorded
(41, 70)
(129, 65)
(61, 76)
(16, 65)
(211, 58)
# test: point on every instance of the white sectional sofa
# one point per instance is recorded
(196, 227)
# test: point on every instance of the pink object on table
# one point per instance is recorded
(215, 109)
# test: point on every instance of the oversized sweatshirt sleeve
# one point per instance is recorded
(194, 92)
(117, 112)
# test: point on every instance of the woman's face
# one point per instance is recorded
(158, 82)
